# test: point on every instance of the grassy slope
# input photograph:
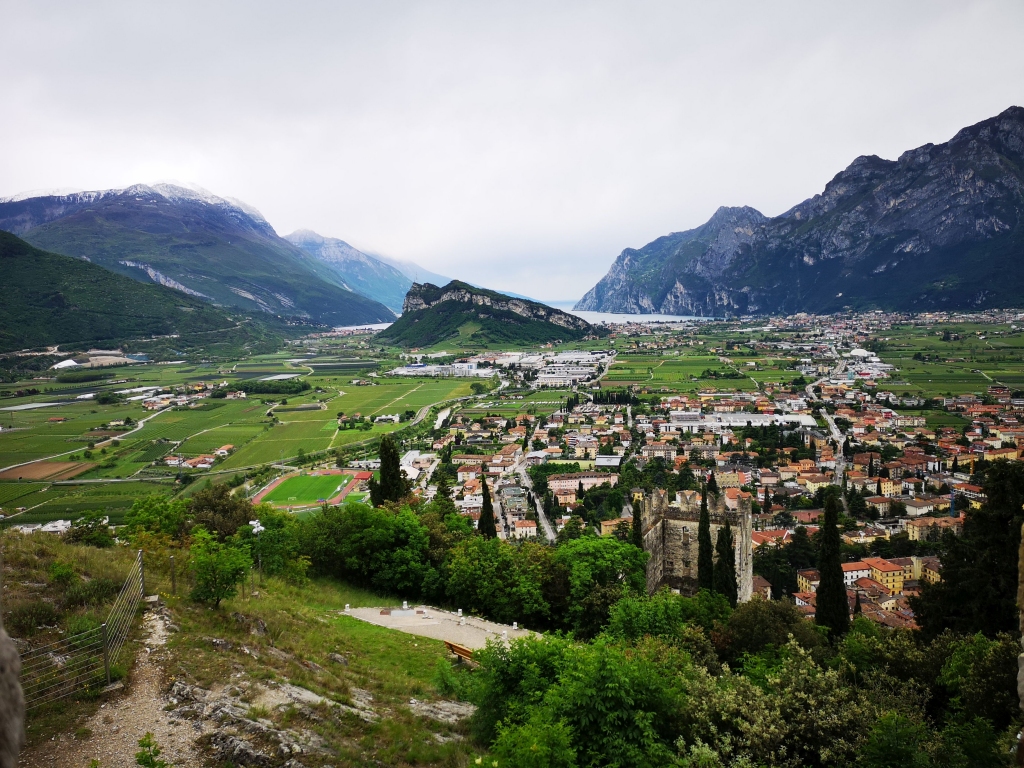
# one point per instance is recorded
(304, 622)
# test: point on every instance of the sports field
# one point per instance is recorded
(307, 489)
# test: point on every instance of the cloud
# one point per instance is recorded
(515, 145)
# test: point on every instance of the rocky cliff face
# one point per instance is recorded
(941, 227)
(424, 296)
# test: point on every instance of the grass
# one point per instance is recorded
(307, 489)
(27, 564)
(305, 623)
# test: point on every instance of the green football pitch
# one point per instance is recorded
(307, 489)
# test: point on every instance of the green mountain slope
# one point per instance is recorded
(213, 248)
(476, 316)
(52, 299)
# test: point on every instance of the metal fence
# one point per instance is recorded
(79, 662)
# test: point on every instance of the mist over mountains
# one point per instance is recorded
(939, 228)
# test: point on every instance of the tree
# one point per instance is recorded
(218, 567)
(392, 485)
(91, 528)
(979, 571)
(724, 574)
(573, 529)
(712, 483)
(624, 530)
(220, 512)
(637, 530)
(705, 549)
(486, 527)
(832, 609)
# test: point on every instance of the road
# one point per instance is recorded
(545, 525)
(837, 434)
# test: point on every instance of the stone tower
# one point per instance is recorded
(670, 538)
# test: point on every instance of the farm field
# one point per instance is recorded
(307, 489)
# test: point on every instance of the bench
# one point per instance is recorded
(464, 653)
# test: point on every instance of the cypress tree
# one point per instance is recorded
(712, 483)
(725, 565)
(637, 532)
(856, 605)
(486, 527)
(705, 549)
(392, 484)
(878, 488)
(956, 465)
(833, 609)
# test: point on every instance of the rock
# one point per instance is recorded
(338, 659)
(312, 666)
(258, 627)
(186, 692)
(223, 645)
(238, 751)
(279, 654)
(173, 628)
(12, 702)
(116, 686)
(449, 712)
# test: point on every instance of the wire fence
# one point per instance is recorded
(82, 661)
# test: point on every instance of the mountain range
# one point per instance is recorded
(213, 248)
(941, 227)
(467, 315)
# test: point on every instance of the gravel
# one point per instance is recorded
(120, 723)
(439, 624)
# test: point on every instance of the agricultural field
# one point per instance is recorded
(974, 357)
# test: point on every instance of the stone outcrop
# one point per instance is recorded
(12, 702)
(426, 295)
(670, 538)
(941, 227)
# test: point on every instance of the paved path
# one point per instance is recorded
(425, 621)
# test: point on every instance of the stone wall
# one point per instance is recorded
(670, 538)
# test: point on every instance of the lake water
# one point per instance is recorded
(622, 318)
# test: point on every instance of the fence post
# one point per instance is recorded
(142, 574)
(106, 654)
(174, 584)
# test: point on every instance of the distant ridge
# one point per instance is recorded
(211, 247)
(942, 227)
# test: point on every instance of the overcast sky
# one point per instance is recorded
(518, 145)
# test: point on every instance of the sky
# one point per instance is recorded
(520, 146)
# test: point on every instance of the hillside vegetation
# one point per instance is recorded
(53, 299)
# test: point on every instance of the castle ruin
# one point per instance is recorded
(670, 538)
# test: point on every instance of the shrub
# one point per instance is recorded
(24, 619)
(62, 575)
(91, 592)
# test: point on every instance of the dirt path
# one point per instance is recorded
(120, 723)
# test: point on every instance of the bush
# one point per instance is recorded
(24, 619)
(62, 575)
(92, 592)
(80, 625)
